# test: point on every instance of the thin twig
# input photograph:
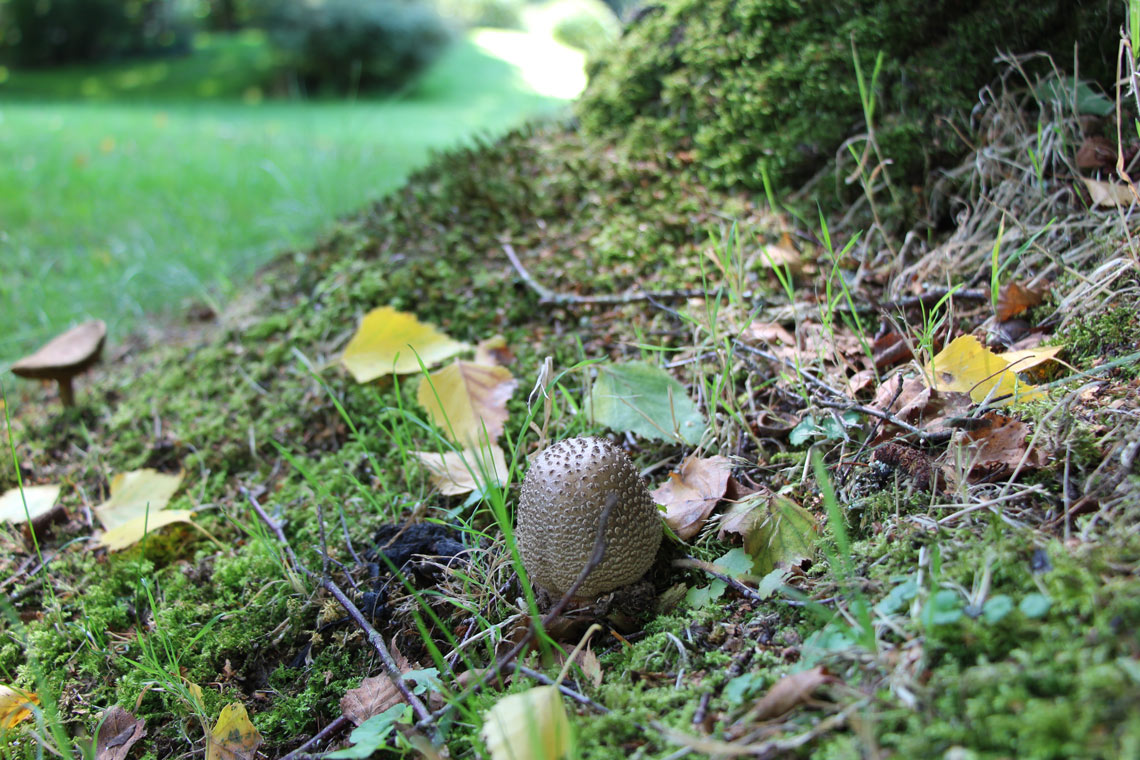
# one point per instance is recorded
(548, 296)
(695, 564)
(391, 669)
(929, 438)
(325, 734)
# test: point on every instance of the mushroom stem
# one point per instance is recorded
(66, 392)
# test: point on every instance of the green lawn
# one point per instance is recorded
(129, 189)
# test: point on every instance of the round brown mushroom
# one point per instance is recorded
(65, 356)
(564, 495)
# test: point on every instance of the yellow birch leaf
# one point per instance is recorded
(1019, 361)
(15, 706)
(390, 341)
(234, 737)
(40, 501)
(464, 398)
(456, 473)
(134, 493)
(130, 533)
(966, 366)
(529, 725)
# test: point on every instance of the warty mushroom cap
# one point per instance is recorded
(64, 356)
(564, 494)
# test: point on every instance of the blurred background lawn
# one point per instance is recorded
(140, 182)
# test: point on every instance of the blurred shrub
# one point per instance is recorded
(340, 45)
(588, 25)
(502, 14)
(227, 15)
(49, 32)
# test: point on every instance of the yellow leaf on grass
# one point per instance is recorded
(130, 533)
(456, 473)
(15, 706)
(529, 725)
(966, 366)
(40, 500)
(234, 737)
(464, 398)
(138, 506)
(133, 493)
(390, 341)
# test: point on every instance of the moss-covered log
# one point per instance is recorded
(733, 86)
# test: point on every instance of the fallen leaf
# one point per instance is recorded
(138, 506)
(788, 693)
(390, 341)
(15, 706)
(40, 501)
(1096, 152)
(890, 349)
(1020, 361)
(374, 695)
(528, 725)
(1000, 447)
(643, 399)
(468, 401)
(967, 366)
(591, 667)
(118, 732)
(689, 496)
(781, 533)
(234, 737)
(459, 472)
(1108, 194)
(135, 493)
(1014, 299)
(494, 351)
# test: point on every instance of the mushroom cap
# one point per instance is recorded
(65, 355)
(563, 496)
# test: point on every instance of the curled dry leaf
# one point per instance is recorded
(138, 506)
(1108, 194)
(390, 341)
(118, 732)
(788, 693)
(468, 401)
(689, 496)
(999, 448)
(1014, 299)
(234, 737)
(374, 695)
(460, 472)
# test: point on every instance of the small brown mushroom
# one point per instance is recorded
(65, 356)
(564, 495)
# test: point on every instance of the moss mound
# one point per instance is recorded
(735, 86)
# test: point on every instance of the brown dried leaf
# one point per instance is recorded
(1014, 299)
(998, 448)
(374, 695)
(1096, 152)
(690, 496)
(890, 349)
(789, 692)
(118, 732)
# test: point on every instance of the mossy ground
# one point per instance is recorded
(936, 674)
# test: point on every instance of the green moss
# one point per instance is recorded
(1093, 339)
(739, 85)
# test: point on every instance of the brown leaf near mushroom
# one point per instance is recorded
(118, 732)
(690, 495)
(65, 356)
(999, 448)
(374, 695)
(788, 693)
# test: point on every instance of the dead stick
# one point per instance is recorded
(391, 669)
(325, 734)
(548, 296)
